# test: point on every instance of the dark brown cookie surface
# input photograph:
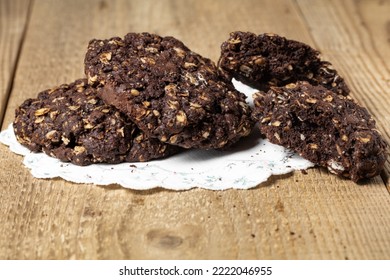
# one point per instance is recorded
(170, 92)
(328, 129)
(266, 60)
(72, 124)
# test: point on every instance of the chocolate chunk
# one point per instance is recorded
(266, 60)
(72, 124)
(170, 92)
(328, 129)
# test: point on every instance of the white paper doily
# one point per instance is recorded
(250, 162)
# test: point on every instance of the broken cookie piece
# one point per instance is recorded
(170, 92)
(72, 124)
(328, 129)
(266, 60)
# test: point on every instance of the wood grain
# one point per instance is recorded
(13, 19)
(297, 216)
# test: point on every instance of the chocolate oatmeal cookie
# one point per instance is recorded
(266, 60)
(170, 92)
(72, 124)
(328, 129)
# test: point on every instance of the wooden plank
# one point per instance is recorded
(355, 36)
(13, 20)
(313, 216)
(374, 20)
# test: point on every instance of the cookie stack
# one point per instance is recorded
(304, 104)
(147, 97)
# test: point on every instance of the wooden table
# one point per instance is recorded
(299, 216)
